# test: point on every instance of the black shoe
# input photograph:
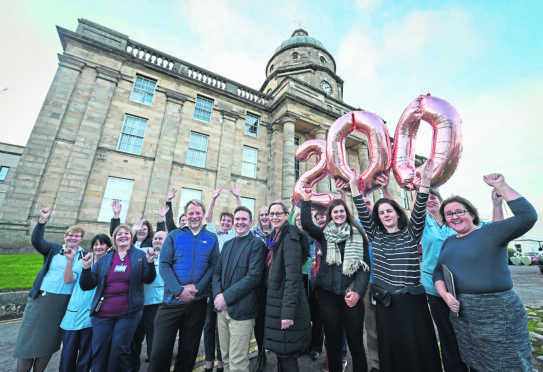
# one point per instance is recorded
(314, 355)
(261, 361)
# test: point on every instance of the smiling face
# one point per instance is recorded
(72, 240)
(183, 221)
(433, 204)
(242, 222)
(461, 224)
(123, 238)
(99, 249)
(277, 216)
(389, 217)
(142, 233)
(264, 217)
(338, 214)
(298, 221)
(321, 220)
(226, 223)
(158, 240)
(195, 217)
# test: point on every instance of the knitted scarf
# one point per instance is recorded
(354, 248)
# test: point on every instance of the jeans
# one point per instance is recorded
(146, 329)
(211, 334)
(76, 350)
(189, 320)
(450, 354)
(338, 318)
(111, 339)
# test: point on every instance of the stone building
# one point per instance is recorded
(122, 120)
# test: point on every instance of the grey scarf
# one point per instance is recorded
(354, 248)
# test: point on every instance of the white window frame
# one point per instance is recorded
(143, 90)
(132, 134)
(196, 152)
(3, 173)
(186, 196)
(201, 110)
(116, 189)
(251, 129)
(249, 203)
(249, 165)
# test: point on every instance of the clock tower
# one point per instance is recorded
(305, 59)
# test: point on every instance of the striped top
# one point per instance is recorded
(396, 261)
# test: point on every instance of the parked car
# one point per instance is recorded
(533, 257)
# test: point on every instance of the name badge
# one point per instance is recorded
(120, 269)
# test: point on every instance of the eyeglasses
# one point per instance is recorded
(459, 213)
(278, 214)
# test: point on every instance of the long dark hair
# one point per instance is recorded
(402, 216)
(465, 202)
(350, 220)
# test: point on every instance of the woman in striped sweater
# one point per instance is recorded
(406, 337)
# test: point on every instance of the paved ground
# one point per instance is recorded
(528, 282)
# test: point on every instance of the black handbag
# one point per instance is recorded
(380, 295)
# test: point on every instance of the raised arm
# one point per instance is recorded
(170, 223)
(307, 220)
(364, 215)
(497, 181)
(237, 194)
(117, 207)
(497, 210)
(214, 196)
(41, 245)
(160, 225)
(418, 214)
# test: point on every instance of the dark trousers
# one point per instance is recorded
(450, 354)
(337, 318)
(189, 320)
(317, 332)
(76, 352)
(111, 339)
(211, 334)
(259, 321)
(145, 330)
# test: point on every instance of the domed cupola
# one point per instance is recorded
(304, 58)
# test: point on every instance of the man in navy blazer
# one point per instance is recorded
(235, 291)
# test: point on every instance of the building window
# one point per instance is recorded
(251, 125)
(116, 189)
(248, 166)
(3, 173)
(143, 90)
(203, 109)
(323, 59)
(295, 56)
(186, 196)
(132, 134)
(249, 203)
(196, 156)
(405, 199)
(271, 68)
(297, 142)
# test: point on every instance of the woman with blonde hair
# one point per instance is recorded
(118, 302)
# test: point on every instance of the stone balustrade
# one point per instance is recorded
(150, 56)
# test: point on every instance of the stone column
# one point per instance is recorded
(227, 149)
(323, 186)
(21, 196)
(162, 167)
(74, 181)
(274, 167)
(288, 157)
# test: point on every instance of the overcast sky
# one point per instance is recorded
(484, 57)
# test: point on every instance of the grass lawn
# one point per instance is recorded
(19, 270)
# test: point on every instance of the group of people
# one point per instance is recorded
(322, 275)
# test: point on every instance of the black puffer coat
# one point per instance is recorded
(286, 298)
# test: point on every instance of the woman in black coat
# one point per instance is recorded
(287, 324)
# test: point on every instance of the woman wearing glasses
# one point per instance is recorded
(491, 326)
(287, 323)
(40, 333)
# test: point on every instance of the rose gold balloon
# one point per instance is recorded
(446, 142)
(313, 175)
(378, 145)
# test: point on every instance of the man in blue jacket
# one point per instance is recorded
(235, 291)
(187, 259)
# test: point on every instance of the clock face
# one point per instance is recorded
(326, 87)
